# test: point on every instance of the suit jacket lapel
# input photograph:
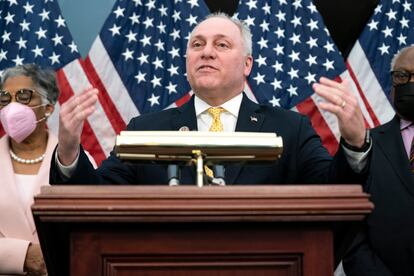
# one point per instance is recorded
(391, 143)
(249, 120)
(13, 220)
(185, 117)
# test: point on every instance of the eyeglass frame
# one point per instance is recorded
(407, 73)
(15, 96)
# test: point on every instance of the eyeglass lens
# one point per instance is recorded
(401, 77)
(22, 96)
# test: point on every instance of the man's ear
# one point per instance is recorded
(248, 64)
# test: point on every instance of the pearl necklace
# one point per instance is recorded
(26, 161)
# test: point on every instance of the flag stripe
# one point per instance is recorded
(111, 81)
(340, 78)
(88, 138)
(110, 109)
(91, 143)
(184, 99)
(309, 108)
(320, 123)
(365, 105)
(354, 89)
(330, 119)
(98, 121)
(375, 95)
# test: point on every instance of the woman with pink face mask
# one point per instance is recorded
(27, 98)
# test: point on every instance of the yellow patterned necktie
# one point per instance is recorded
(216, 124)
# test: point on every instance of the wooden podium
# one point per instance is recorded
(185, 230)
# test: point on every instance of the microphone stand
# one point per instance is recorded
(173, 172)
(218, 171)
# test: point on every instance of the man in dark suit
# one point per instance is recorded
(386, 246)
(218, 61)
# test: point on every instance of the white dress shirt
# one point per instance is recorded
(227, 117)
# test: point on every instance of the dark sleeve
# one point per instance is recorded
(112, 171)
(341, 172)
(361, 260)
(84, 168)
(313, 160)
(314, 163)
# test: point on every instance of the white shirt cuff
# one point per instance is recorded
(66, 171)
(357, 160)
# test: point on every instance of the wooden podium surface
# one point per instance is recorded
(185, 230)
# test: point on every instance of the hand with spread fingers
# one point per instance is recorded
(72, 115)
(340, 101)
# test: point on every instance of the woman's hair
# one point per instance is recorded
(44, 80)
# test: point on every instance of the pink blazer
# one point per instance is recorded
(17, 228)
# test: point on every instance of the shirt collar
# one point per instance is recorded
(232, 106)
(405, 124)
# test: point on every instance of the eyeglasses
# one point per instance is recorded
(23, 96)
(401, 77)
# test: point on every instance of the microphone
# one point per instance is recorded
(173, 175)
(218, 179)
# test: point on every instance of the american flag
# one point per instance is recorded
(138, 60)
(34, 31)
(390, 28)
(292, 49)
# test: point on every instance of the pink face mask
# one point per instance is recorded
(19, 120)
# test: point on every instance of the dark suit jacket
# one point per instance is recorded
(386, 245)
(304, 159)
